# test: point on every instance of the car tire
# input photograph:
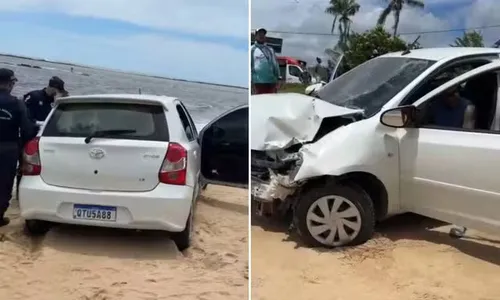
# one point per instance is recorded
(36, 227)
(183, 239)
(353, 198)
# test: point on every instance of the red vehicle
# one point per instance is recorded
(291, 69)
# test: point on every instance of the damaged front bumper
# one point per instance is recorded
(273, 195)
(272, 179)
(282, 124)
(279, 187)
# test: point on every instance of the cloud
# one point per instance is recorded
(186, 39)
(309, 16)
(224, 17)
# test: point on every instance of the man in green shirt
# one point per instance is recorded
(264, 65)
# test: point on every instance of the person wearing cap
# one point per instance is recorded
(16, 130)
(263, 65)
(40, 102)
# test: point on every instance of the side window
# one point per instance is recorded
(294, 71)
(193, 126)
(185, 123)
(442, 77)
(469, 105)
(232, 127)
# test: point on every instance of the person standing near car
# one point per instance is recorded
(264, 66)
(16, 130)
(40, 102)
(320, 71)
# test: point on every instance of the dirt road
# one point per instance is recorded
(91, 263)
(405, 261)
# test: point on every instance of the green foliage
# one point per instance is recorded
(293, 88)
(469, 39)
(372, 43)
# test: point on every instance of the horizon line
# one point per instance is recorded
(120, 71)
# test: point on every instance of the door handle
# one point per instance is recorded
(225, 144)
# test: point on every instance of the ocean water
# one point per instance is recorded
(204, 101)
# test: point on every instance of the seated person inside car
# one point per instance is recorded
(451, 110)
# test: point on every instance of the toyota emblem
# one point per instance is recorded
(96, 153)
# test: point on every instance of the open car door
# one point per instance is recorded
(339, 68)
(224, 149)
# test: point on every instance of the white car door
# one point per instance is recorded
(451, 174)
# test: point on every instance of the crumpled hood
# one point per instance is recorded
(281, 120)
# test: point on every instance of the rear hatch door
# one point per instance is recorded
(106, 146)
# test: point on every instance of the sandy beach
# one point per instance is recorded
(82, 263)
(411, 258)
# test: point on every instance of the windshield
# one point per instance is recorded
(372, 84)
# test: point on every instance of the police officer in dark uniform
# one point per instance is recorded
(40, 102)
(15, 130)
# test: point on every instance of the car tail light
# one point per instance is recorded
(173, 170)
(31, 165)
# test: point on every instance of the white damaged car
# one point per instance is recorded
(366, 149)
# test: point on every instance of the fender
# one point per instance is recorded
(364, 146)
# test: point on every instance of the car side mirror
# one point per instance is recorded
(399, 117)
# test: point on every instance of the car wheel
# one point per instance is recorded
(335, 216)
(36, 227)
(183, 239)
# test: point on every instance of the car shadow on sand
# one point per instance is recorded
(93, 241)
(110, 242)
(405, 227)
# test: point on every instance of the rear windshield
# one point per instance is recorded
(136, 121)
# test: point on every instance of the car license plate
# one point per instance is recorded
(94, 212)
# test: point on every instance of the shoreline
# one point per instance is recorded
(119, 71)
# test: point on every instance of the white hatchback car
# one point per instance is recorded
(128, 161)
(369, 146)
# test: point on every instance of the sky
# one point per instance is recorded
(191, 39)
(309, 16)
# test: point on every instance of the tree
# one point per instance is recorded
(469, 39)
(396, 6)
(372, 43)
(342, 10)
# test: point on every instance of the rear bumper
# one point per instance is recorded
(166, 207)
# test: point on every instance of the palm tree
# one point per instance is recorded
(469, 39)
(342, 10)
(396, 6)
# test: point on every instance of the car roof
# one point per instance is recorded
(166, 100)
(443, 53)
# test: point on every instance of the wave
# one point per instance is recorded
(198, 106)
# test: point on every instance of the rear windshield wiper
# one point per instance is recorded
(107, 133)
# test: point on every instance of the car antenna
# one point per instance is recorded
(410, 46)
